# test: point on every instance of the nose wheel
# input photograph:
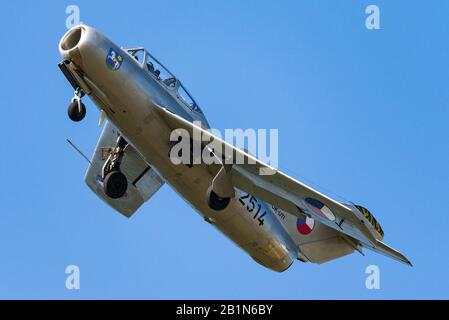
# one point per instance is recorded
(77, 109)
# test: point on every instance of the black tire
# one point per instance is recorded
(74, 112)
(115, 184)
(216, 202)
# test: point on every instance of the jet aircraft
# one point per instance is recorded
(273, 217)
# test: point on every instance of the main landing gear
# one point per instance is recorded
(216, 202)
(115, 183)
(77, 110)
(222, 190)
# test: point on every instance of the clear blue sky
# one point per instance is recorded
(360, 113)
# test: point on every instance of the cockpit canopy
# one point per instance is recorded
(162, 74)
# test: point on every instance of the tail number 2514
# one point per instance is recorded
(252, 205)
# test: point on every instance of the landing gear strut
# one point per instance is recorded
(115, 183)
(77, 110)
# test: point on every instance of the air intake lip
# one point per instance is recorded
(72, 38)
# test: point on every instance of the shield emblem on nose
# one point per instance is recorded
(114, 60)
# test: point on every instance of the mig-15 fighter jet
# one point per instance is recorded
(270, 215)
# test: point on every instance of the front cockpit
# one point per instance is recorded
(164, 76)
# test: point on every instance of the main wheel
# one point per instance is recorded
(115, 184)
(216, 202)
(74, 112)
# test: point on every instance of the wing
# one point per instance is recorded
(143, 181)
(281, 190)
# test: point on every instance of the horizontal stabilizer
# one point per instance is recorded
(388, 251)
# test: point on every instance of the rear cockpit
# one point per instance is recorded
(164, 76)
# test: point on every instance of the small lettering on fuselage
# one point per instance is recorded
(278, 212)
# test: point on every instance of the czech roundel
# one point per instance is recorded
(320, 209)
(305, 225)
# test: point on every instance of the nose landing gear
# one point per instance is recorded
(77, 110)
(115, 183)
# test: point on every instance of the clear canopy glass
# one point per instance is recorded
(162, 74)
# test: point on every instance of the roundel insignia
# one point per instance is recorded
(305, 225)
(320, 208)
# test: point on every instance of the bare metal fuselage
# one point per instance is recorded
(129, 97)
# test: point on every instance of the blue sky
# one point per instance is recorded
(361, 114)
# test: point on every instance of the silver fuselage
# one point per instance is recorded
(129, 97)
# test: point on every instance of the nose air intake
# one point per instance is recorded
(71, 38)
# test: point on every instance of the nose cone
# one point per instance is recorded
(72, 42)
